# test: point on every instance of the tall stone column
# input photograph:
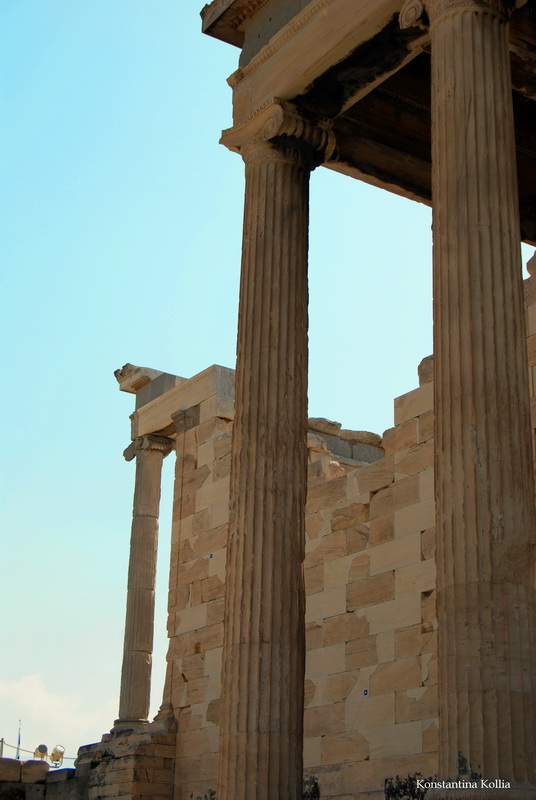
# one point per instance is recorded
(135, 692)
(484, 483)
(261, 720)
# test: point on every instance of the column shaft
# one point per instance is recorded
(139, 624)
(484, 485)
(261, 728)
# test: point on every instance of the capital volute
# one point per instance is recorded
(159, 444)
(279, 131)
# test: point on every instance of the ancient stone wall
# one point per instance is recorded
(370, 690)
(371, 686)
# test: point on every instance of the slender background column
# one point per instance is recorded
(484, 483)
(135, 693)
(261, 721)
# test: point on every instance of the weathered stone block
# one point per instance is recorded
(326, 494)
(357, 538)
(313, 634)
(361, 653)
(426, 370)
(419, 577)
(343, 628)
(413, 641)
(368, 592)
(312, 751)
(323, 720)
(211, 493)
(425, 427)
(349, 515)
(326, 604)
(219, 513)
(375, 476)
(385, 646)
(359, 568)
(10, 769)
(314, 579)
(344, 747)
(418, 458)
(195, 690)
(413, 403)
(418, 703)
(190, 619)
(402, 437)
(340, 686)
(215, 611)
(368, 711)
(192, 571)
(394, 614)
(193, 666)
(396, 740)
(395, 554)
(430, 737)
(34, 771)
(381, 530)
(325, 661)
(336, 571)
(333, 545)
(416, 517)
(395, 676)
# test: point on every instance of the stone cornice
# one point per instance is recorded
(278, 118)
(224, 19)
(267, 52)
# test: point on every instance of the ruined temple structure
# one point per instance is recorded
(343, 606)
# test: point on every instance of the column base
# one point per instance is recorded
(485, 790)
(123, 724)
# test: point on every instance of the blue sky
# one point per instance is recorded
(121, 218)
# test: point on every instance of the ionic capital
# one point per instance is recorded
(279, 132)
(149, 442)
(438, 9)
(416, 13)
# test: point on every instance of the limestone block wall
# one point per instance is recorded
(136, 763)
(197, 584)
(371, 686)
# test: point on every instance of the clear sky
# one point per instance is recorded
(121, 227)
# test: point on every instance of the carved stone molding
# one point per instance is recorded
(281, 124)
(247, 12)
(284, 37)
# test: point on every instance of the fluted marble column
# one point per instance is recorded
(135, 692)
(261, 721)
(484, 484)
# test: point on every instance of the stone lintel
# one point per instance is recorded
(156, 415)
(224, 19)
(147, 384)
